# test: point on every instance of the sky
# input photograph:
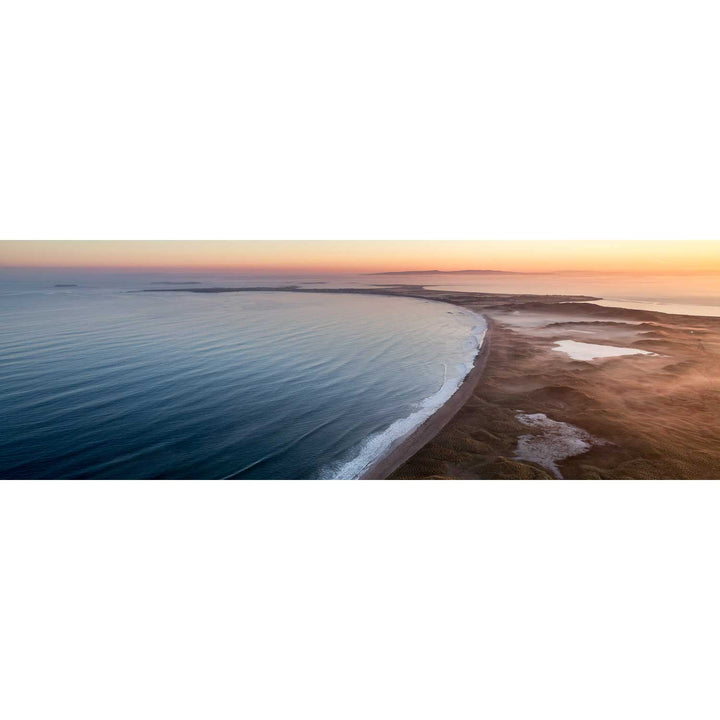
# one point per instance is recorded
(345, 256)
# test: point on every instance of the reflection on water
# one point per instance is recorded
(666, 307)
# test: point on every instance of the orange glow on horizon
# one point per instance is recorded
(345, 256)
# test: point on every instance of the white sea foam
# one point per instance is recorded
(378, 445)
(589, 351)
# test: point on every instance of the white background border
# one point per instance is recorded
(279, 119)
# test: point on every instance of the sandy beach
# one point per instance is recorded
(407, 447)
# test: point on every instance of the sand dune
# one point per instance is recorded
(657, 415)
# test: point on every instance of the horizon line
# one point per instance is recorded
(319, 271)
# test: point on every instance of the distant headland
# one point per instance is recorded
(448, 272)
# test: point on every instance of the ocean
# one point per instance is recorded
(102, 380)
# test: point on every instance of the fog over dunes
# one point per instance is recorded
(648, 414)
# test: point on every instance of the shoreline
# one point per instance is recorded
(404, 448)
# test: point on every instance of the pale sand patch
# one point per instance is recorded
(589, 351)
(556, 442)
(606, 333)
(518, 319)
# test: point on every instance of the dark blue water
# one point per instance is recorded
(100, 382)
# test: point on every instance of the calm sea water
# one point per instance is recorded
(101, 381)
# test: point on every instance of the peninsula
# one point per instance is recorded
(566, 388)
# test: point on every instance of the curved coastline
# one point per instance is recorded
(404, 448)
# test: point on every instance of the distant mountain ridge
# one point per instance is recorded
(448, 272)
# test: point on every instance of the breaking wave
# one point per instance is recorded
(379, 444)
